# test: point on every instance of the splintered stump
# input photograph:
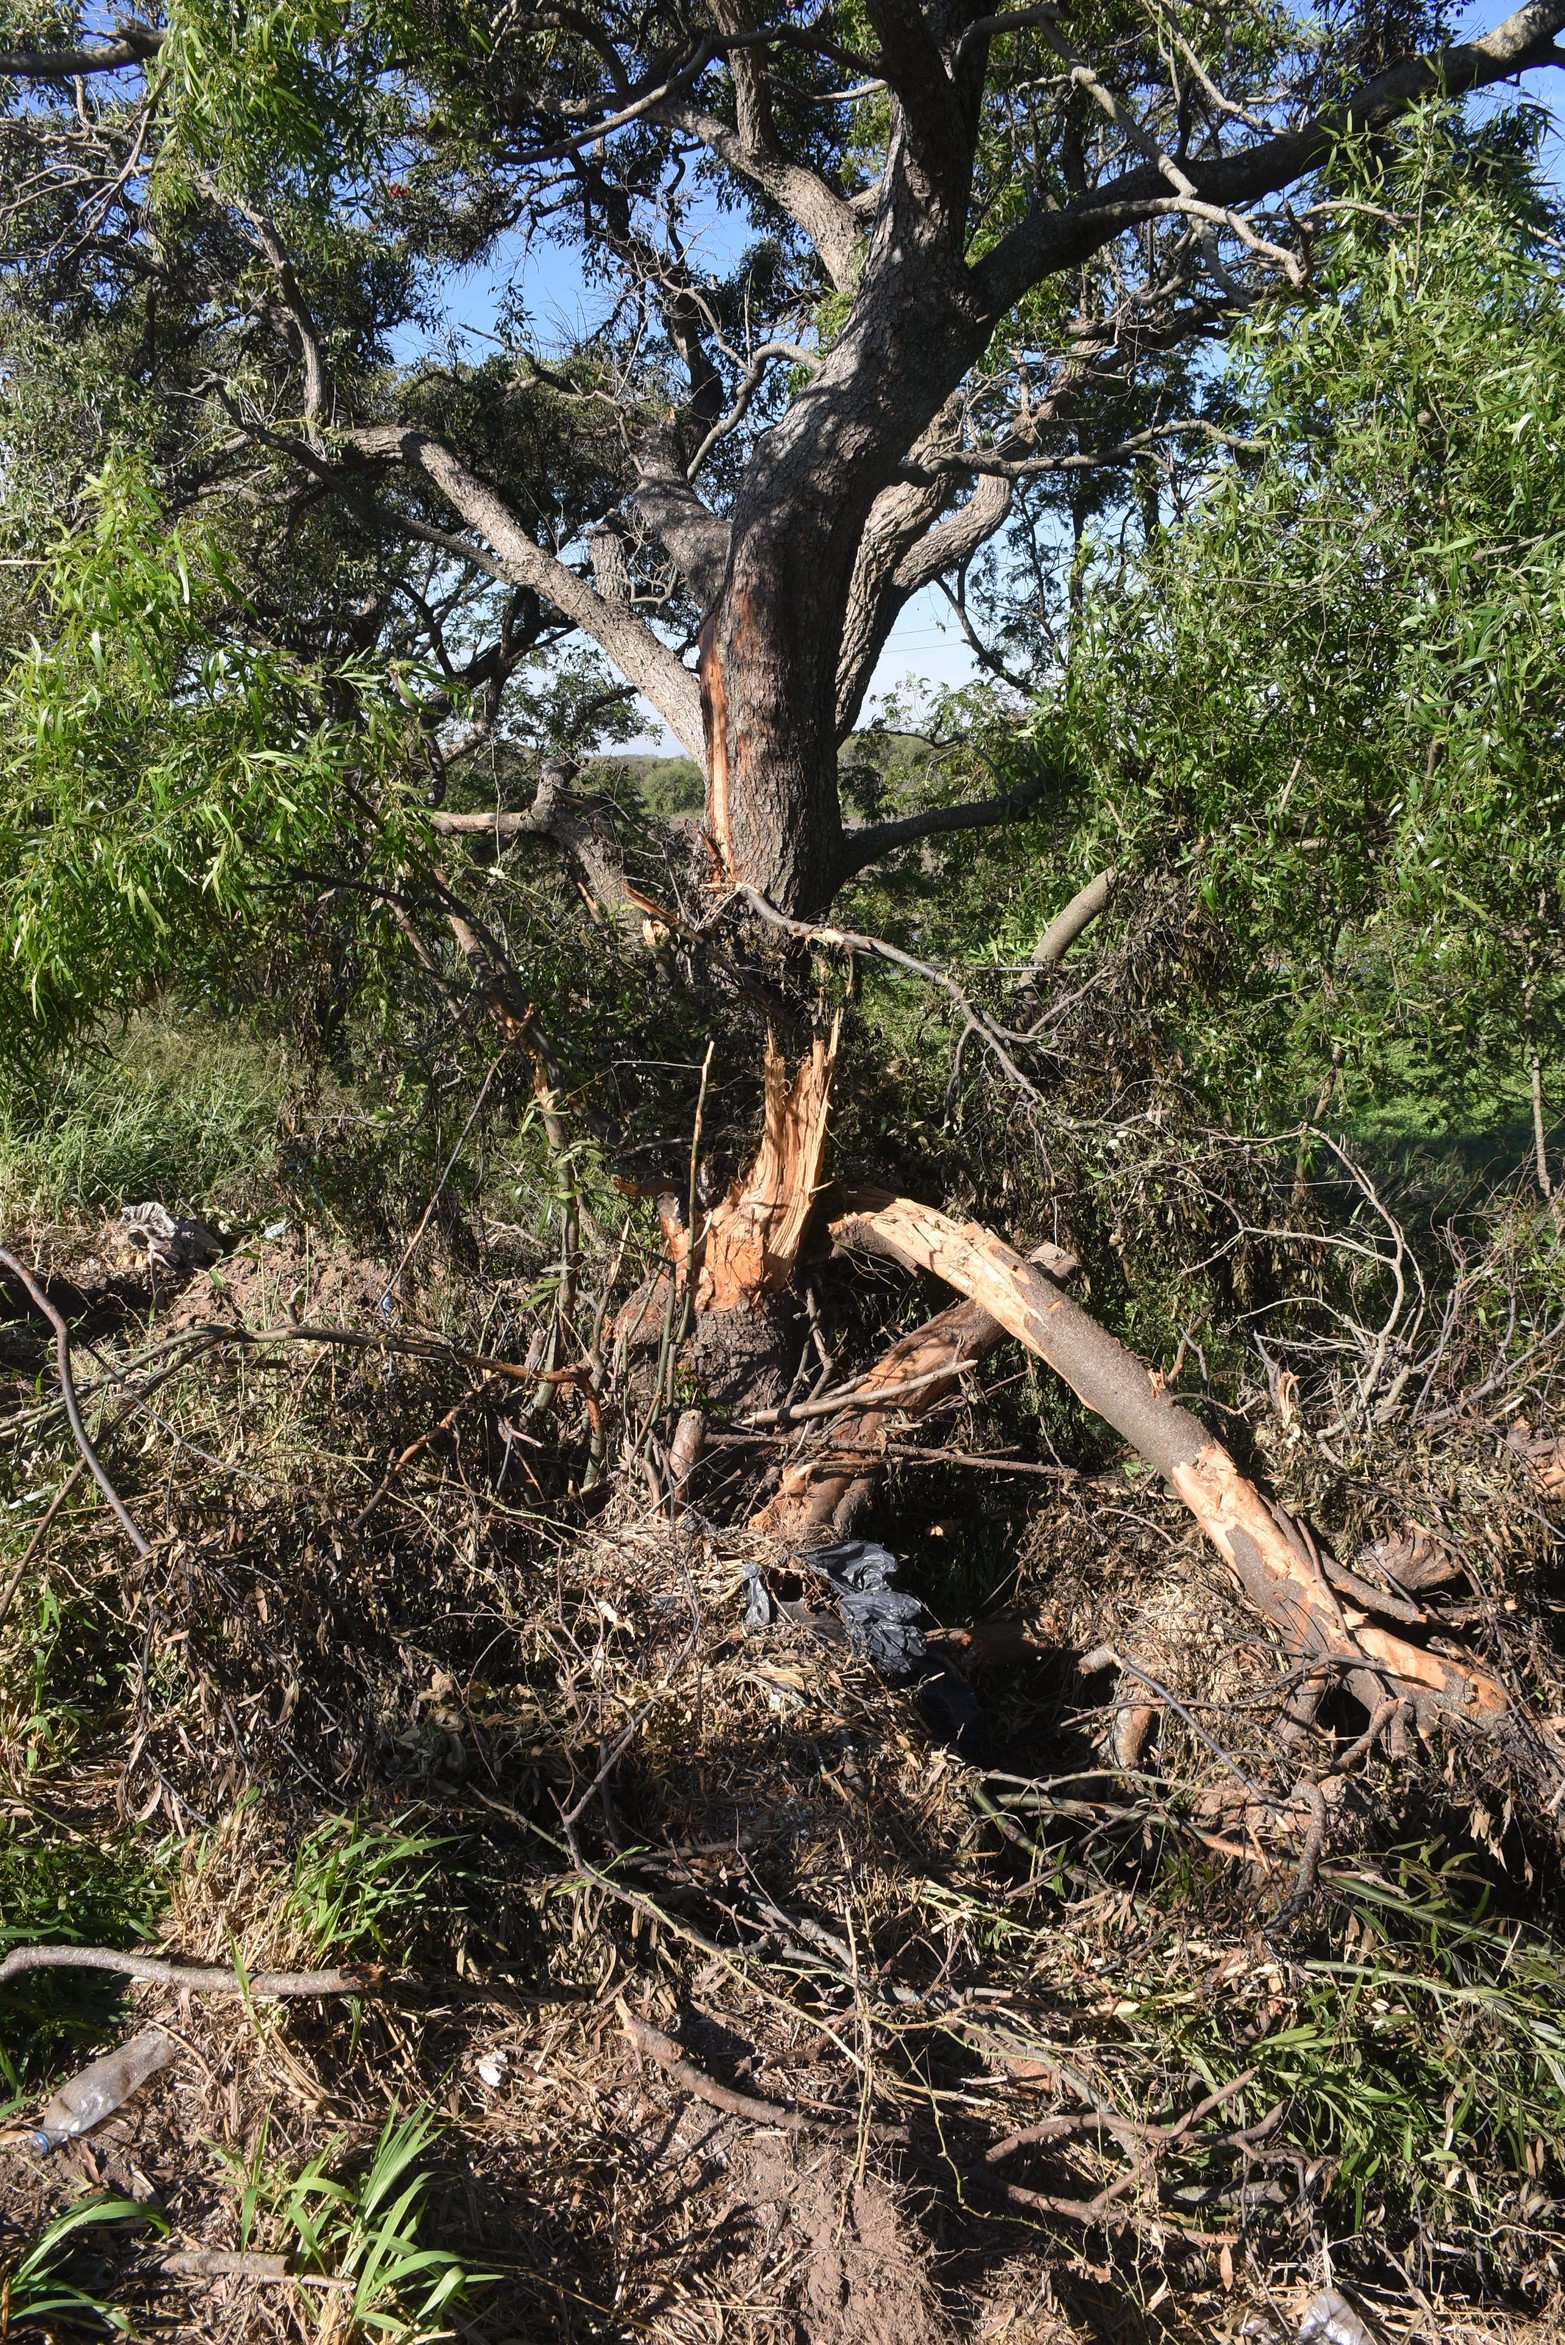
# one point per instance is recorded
(1268, 1555)
(730, 1271)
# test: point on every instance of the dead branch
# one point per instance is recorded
(834, 1484)
(1268, 1556)
(219, 2263)
(200, 1978)
(667, 2054)
(62, 1359)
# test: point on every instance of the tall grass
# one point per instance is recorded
(186, 1114)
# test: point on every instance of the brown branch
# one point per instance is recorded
(1073, 921)
(62, 1359)
(873, 840)
(1044, 243)
(1269, 1558)
(200, 1978)
(1070, 922)
(634, 649)
(826, 217)
(555, 814)
(135, 45)
(836, 1480)
(667, 2054)
(222, 2263)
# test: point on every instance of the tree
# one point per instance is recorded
(977, 250)
(1327, 697)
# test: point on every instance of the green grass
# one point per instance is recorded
(79, 1892)
(362, 2232)
(359, 1886)
(36, 2289)
(183, 1113)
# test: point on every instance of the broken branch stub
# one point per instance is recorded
(1268, 1556)
(834, 1483)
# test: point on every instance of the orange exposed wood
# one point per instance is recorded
(1269, 1557)
(714, 715)
(751, 1241)
(832, 1483)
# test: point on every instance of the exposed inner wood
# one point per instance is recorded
(833, 1484)
(1269, 1557)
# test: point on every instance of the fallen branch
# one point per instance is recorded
(1269, 1557)
(62, 1361)
(667, 2054)
(834, 1483)
(201, 1978)
(221, 2263)
(1071, 922)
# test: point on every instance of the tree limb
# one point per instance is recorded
(1043, 243)
(629, 643)
(696, 538)
(899, 553)
(135, 44)
(202, 1978)
(62, 1359)
(827, 218)
(1070, 922)
(1265, 1551)
(872, 840)
(554, 815)
(956, 539)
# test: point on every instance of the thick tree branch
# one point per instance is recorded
(875, 839)
(827, 218)
(898, 558)
(134, 45)
(641, 659)
(280, 260)
(956, 539)
(554, 814)
(695, 537)
(1044, 243)
(1072, 921)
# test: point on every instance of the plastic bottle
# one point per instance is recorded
(101, 2089)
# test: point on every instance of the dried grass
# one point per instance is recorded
(751, 1840)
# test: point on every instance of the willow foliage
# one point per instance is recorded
(168, 787)
(1331, 692)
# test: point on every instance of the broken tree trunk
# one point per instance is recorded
(1266, 1552)
(832, 1486)
(737, 1262)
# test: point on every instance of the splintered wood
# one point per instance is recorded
(835, 1482)
(751, 1241)
(1270, 1557)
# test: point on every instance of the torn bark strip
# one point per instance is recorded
(1267, 1554)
